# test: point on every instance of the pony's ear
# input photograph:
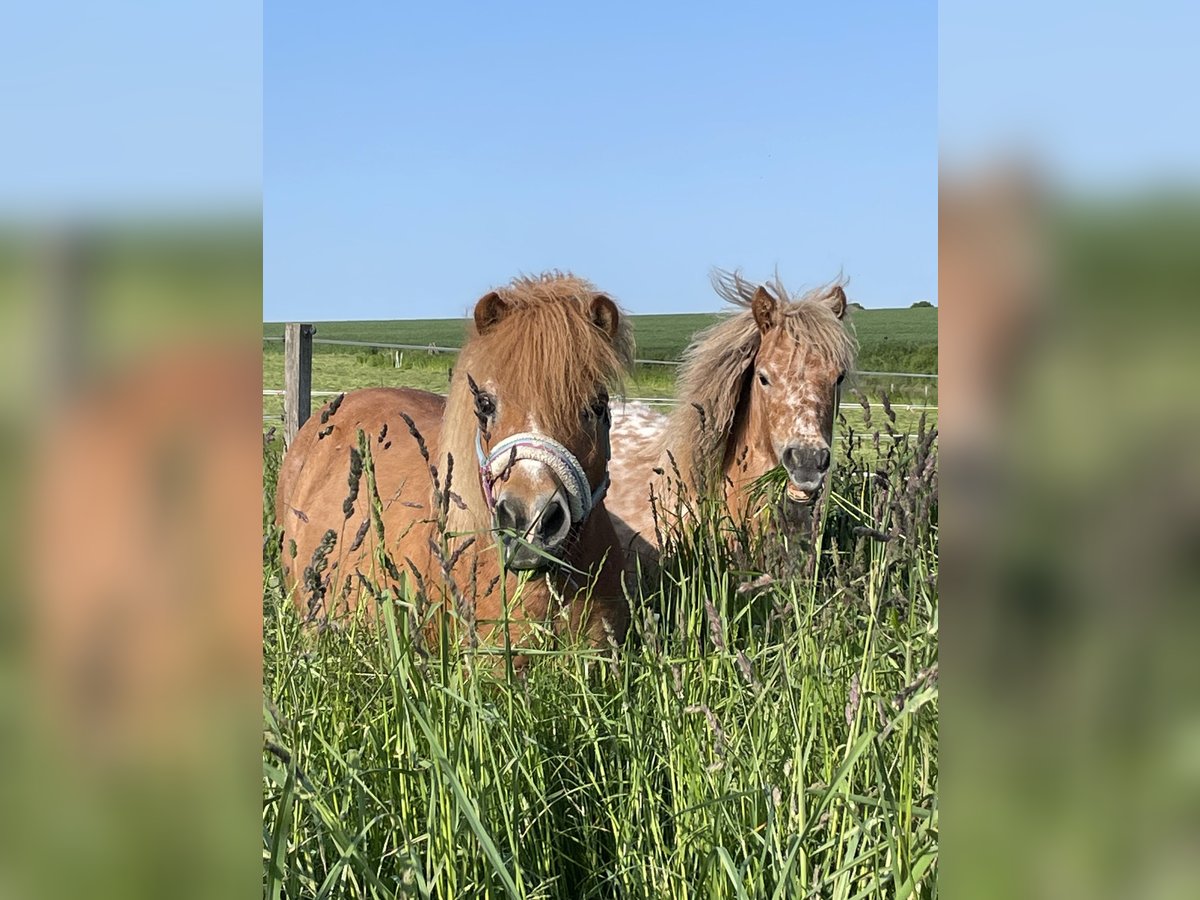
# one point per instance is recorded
(765, 309)
(605, 315)
(490, 309)
(835, 299)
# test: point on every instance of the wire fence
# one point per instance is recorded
(297, 393)
(650, 401)
(672, 402)
(436, 349)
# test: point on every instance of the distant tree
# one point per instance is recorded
(921, 304)
(854, 305)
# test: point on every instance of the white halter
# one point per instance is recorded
(550, 453)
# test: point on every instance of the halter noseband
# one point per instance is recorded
(561, 461)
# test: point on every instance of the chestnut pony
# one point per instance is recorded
(756, 391)
(491, 499)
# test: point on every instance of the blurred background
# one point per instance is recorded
(130, 308)
(1069, 274)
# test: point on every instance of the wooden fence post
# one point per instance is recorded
(297, 378)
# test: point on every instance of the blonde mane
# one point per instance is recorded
(551, 357)
(712, 377)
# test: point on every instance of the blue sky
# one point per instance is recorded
(1100, 94)
(416, 155)
(130, 108)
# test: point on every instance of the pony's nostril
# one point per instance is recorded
(554, 520)
(510, 514)
(823, 460)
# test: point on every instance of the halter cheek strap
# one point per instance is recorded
(550, 453)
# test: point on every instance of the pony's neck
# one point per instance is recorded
(468, 511)
(748, 450)
(466, 491)
(730, 459)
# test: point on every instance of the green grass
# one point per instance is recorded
(773, 742)
(912, 326)
(342, 371)
(902, 340)
(886, 336)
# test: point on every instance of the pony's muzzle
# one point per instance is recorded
(540, 527)
(806, 465)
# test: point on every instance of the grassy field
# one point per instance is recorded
(347, 371)
(887, 337)
(768, 731)
(890, 340)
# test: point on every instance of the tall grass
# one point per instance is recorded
(769, 729)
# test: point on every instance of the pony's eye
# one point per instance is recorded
(485, 404)
(763, 379)
(599, 407)
(841, 378)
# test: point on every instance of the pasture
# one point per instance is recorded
(900, 340)
(886, 337)
(768, 730)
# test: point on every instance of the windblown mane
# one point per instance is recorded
(715, 365)
(552, 357)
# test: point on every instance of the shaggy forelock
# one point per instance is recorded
(547, 353)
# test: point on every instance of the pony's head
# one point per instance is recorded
(773, 371)
(803, 355)
(530, 398)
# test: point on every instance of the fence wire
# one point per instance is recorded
(434, 348)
